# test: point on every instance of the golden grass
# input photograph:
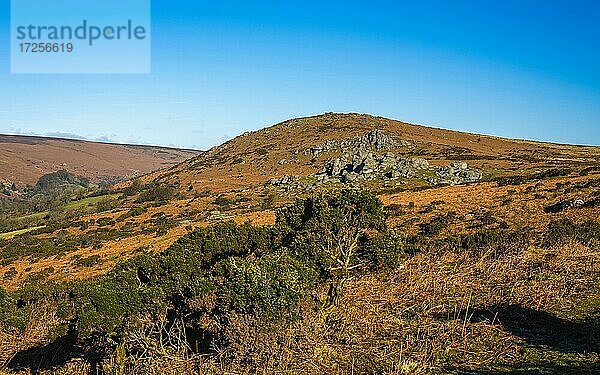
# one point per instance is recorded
(416, 319)
(517, 206)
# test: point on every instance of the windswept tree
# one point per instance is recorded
(326, 230)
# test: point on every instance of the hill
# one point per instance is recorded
(302, 147)
(24, 159)
(465, 254)
(434, 171)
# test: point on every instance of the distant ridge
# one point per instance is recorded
(25, 158)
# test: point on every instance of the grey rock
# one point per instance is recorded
(457, 174)
(564, 205)
(377, 140)
(361, 160)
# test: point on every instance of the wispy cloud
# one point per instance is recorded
(19, 131)
(104, 138)
(65, 135)
(54, 134)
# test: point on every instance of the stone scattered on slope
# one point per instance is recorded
(564, 205)
(456, 174)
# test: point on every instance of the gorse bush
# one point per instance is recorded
(223, 201)
(325, 230)
(269, 288)
(385, 251)
(133, 212)
(134, 188)
(4, 300)
(492, 241)
(155, 193)
(211, 244)
(211, 273)
(523, 179)
(105, 305)
(437, 224)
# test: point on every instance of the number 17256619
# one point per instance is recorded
(46, 47)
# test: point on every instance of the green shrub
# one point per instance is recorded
(10, 274)
(394, 210)
(104, 305)
(133, 212)
(561, 231)
(155, 193)
(487, 218)
(551, 173)
(108, 204)
(269, 201)
(5, 304)
(523, 179)
(105, 221)
(223, 201)
(500, 241)
(269, 288)
(134, 188)
(17, 308)
(385, 251)
(89, 261)
(324, 232)
(437, 224)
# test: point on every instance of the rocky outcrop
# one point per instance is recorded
(284, 181)
(363, 159)
(370, 166)
(217, 216)
(376, 140)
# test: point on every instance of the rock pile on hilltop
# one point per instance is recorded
(362, 159)
(374, 140)
(371, 166)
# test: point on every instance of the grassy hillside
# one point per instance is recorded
(330, 244)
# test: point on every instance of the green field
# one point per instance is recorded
(39, 215)
(79, 205)
(9, 235)
(89, 201)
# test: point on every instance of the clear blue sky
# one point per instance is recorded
(525, 69)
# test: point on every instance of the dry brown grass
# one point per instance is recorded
(34, 334)
(424, 317)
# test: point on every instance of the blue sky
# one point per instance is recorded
(524, 69)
